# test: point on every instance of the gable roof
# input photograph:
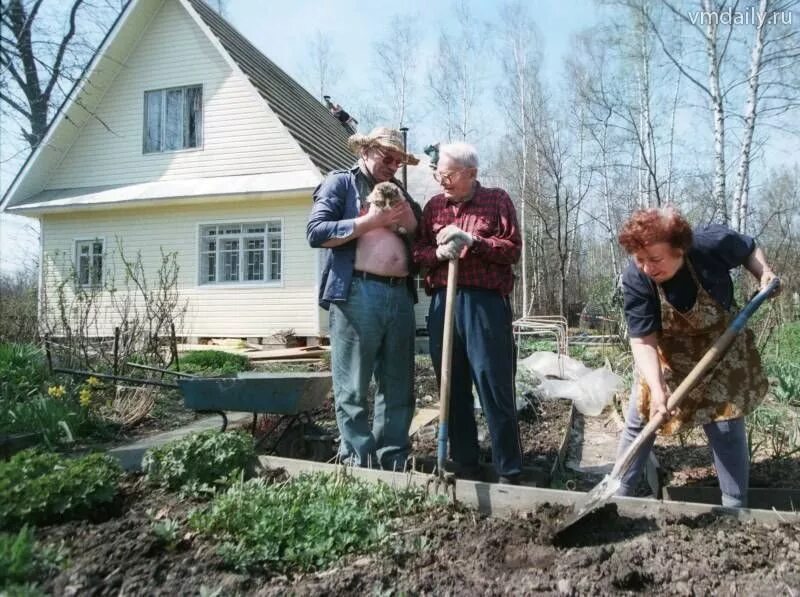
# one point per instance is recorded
(321, 136)
(317, 131)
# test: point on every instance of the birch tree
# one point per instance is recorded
(395, 68)
(456, 76)
(521, 97)
(322, 65)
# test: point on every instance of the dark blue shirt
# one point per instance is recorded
(715, 251)
(337, 202)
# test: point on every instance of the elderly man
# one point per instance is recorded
(478, 225)
(369, 290)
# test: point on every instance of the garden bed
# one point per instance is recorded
(455, 550)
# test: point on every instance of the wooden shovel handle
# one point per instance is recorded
(447, 359)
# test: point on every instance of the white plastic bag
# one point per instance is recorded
(590, 393)
(549, 364)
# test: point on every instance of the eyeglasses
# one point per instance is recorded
(446, 177)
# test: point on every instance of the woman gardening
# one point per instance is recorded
(678, 297)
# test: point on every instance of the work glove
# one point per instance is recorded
(453, 232)
(449, 251)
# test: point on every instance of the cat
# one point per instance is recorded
(384, 196)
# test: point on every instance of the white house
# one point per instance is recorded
(181, 136)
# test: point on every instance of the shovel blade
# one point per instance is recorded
(598, 496)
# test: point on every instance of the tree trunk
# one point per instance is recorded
(742, 174)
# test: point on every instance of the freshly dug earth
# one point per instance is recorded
(452, 552)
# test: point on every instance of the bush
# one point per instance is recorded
(22, 371)
(306, 523)
(213, 363)
(42, 487)
(22, 561)
(199, 462)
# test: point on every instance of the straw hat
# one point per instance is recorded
(384, 138)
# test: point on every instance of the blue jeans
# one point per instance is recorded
(483, 354)
(728, 441)
(372, 334)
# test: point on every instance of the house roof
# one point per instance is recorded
(320, 135)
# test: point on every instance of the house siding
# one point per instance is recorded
(241, 135)
(213, 310)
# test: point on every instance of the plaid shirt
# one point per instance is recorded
(489, 215)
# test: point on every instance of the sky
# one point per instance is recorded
(282, 31)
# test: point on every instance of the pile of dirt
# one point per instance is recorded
(455, 551)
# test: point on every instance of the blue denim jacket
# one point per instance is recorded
(337, 201)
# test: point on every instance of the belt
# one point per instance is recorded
(390, 280)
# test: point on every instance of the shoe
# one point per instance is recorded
(470, 473)
(509, 479)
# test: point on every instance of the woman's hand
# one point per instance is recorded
(767, 276)
(658, 403)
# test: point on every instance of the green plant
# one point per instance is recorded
(59, 420)
(213, 363)
(199, 462)
(22, 371)
(166, 531)
(787, 382)
(306, 523)
(775, 427)
(39, 487)
(22, 561)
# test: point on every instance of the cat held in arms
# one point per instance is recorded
(384, 196)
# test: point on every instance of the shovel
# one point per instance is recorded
(605, 490)
(447, 360)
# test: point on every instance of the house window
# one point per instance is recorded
(173, 119)
(89, 259)
(248, 252)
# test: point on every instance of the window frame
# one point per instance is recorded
(266, 282)
(76, 243)
(200, 131)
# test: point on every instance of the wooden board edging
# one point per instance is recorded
(508, 501)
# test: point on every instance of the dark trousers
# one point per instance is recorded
(483, 354)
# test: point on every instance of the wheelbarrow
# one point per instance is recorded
(286, 401)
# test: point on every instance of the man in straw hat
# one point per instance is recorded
(368, 287)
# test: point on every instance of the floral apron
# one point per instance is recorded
(732, 389)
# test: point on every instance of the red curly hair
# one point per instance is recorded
(655, 225)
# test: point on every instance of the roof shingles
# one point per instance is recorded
(316, 130)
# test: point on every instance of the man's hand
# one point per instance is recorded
(453, 232)
(449, 251)
(387, 218)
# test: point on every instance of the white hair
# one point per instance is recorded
(463, 153)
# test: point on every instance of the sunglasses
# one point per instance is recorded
(390, 160)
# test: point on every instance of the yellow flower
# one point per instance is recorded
(85, 397)
(94, 382)
(56, 392)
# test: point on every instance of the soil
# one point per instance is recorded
(448, 552)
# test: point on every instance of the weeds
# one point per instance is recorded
(41, 487)
(306, 523)
(23, 561)
(199, 463)
(214, 363)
